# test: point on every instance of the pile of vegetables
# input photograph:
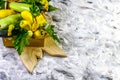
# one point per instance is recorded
(26, 19)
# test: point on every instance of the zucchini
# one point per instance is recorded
(19, 6)
(9, 20)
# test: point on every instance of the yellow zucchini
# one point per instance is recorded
(6, 12)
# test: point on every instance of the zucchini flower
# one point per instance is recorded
(45, 3)
(27, 16)
(10, 28)
(41, 20)
(25, 24)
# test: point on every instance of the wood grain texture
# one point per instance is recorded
(34, 51)
(7, 41)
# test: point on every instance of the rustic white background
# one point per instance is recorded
(90, 31)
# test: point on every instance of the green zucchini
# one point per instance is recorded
(9, 20)
(19, 6)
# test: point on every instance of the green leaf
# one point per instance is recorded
(50, 31)
(40, 7)
(2, 4)
(21, 41)
(52, 8)
(34, 9)
(48, 0)
(29, 1)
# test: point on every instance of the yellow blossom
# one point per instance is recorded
(46, 4)
(10, 28)
(25, 24)
(27, 16)
(41, 20)
(34, 26)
